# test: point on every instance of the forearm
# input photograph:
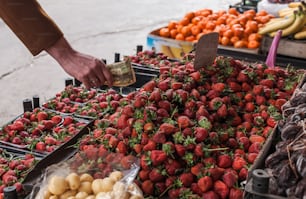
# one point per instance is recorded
(30, 23)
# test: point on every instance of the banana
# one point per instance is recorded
(296, 26)
(280, 24)
(294, 4)
(286, 11)
(301, 34)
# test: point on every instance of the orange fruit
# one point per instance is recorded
(195, 30)
(172, 25)
(225, 41)
(253, 44)
(185, 21)
(233, 11)
(240, 44)
(186, 31)
(164, 32)
(234, 39)
(173, 33)
(180, 36)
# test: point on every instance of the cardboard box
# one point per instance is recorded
(174, 49)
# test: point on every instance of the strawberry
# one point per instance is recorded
(197, 169)
(267, 82)
(239, 163)
(216, 173)
(211, 94)
(258, 89)
(235, 193)
(164, 84)
(243, 77)
(200, 134)
(183, 122)
(249, 107)
(173, 167)
(121, 147)
(176, 85)
(271, 122)
(160, 187)
(195, 189)
(17, 126)
(215, 103)
(221, 189)
(174, 193)
(122, 121)
(260, 100)
(243, 173)
(246, 87)
(244, 142)
(156, 175)
(18, 186)
(196, 76)
(158, 157)
(279, 103)
(67, 120)
(40, 146)
(167, 128)
(210, 195)
(198, 150)
(230, 177)
(222, 111)
(224, 161)
(143, 175)
(205, 183)
(151, 145)
(249, 97)
(42, 115)
(149, 86)
(186, 179)
(145, 162)
(234, 86)
(180, 149)
(219, 87)
(147, 187)
(159, 138)
(251, 157)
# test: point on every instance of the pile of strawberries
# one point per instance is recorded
(40, 130)
(13, 169)
(196, 133)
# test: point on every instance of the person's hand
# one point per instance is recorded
(85, 68)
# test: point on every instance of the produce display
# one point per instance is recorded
(291, 21)
(287, 164)
(40, 130)
(13, 169)
(196, 133)
(239, 30)
(92, 173)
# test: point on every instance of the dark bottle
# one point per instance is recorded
(139, 48)
(117, 57)
(10, 192)
(77, 82)
(36, 101)
(68, 81)
(27, 105)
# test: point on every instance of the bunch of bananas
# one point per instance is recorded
(291, 20)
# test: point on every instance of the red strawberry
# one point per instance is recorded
(205, 183)
(183, 121)
(216, 173)
(167, 128)
(151, 145)
(122, 121)
(255, 147)
(144, 175)
(234, 86)
(219, 87)
(271, 122)
(258, 89)
(42, 116)
(176, 85)
(235, 193)
(158, 157)
(186, 179)
(149, 86)
(239, 163)
(251, 157)
(159, 138)
(173, 167)
(160, 187)
(260, 100)
(242, 77)
(243, 173)
(267, 82)
(279, 103)
(215, 103)
(164, 84)
(246, 87)
(147, 187)
(196, 189)
(196, 76)
(224, 161)
(121, 148)
(174, 193)
(197, 169)
(222, 111)
(40, 146)
(221, 189)
(145, 162)
(156, 175)
(180, 149)
(67, 120)
(210, 195)
(249, 107)
(200, 134)
(198, 150)
(230, 177)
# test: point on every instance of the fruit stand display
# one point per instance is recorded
(195, 133)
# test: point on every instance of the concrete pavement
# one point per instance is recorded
(96, 27)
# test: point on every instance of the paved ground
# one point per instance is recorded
(96, 27)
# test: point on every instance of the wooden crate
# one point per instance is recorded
(286, 47)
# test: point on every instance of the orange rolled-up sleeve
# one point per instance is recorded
(30, 23)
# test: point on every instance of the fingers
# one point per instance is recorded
(108, 76)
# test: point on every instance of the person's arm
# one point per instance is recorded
(38, 32)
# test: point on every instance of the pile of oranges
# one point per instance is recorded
(235, 29)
